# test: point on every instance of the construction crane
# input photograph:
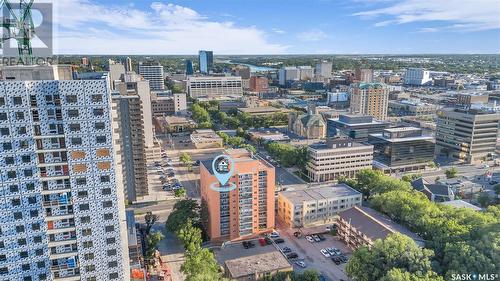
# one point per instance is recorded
(19, 26)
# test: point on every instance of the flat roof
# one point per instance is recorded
(261, 263)
(304, 192)
(374, 224)
(380, 136)
(261, 109)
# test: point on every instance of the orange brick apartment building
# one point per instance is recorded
(247, 210)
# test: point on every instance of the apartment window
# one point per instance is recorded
(71, 98)
(23, 254)
(17, 100)
(74, 127)
(2, 245)
(20, 115)
(76, 141)
(2, 101)
(27, 278)
(98, 112)
(84, 207)
(81, 181)
(108, 216)
(73, 113)
(106, 191)
(21, 241)
(110, 240)
(35, 226)
(91, 278)
(14, 188)
(113, 275)
(83, 194)
(40, 264)
(39, 252)
(85, 219)
(23, 144)
(28, 173)
(96, 98)
(34, 213)
(42, 276)
(86, 232)
(107, 204)
(3, 258)
(25, 267)
(109, 228)
(19, 228)
(37, 239)
(100, 139)
(11, 174)
(111, 252)
(112, 264)
(7, 146)
(4, 131)
(90, 268)
(99, 125)
(26, 158)
(18, 215)
(9, 160)
(32, 200)
(105, 179)
(21, 130)
(88, 256)
(30, 186)
(88, 244)
(15, 202)
(3, 116)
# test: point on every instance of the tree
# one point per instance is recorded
(186, 160)
(411, 177)
(190, 236)
(150, 220)
(180, 192)
(451, 172)
(199, 114)
(395, 251)
(152, 241)
(183, 211)
(200, 265)
(484, 199)
(497, 189)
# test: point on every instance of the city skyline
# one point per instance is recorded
(318, 27)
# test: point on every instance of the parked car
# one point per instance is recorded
(297, 234)
(337, 260)
(292, 256)
(274, 234)
(334, 251)
(493, 182)
(268, 241)
(321, 237)
(301, 264)
(279, 241)
(286, 250)
(262, 242)
(343, 258)
(316, 238)
(310, 239)
(325, 253)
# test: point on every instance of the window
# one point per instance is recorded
(23, 144)
(74, 127)
(112, 264)
(106, 191)
(21, 241)
(39, 252)
(83, 194)
(96, 98)
(25, 267)
(28, 173)
(81, 181)
(11, 174)
(100, 139)
(23, 254)
(105, 179)
(84, 207)
(9, 160)
(109, 228)
(26, 158)
(4, 270)
(87, 244)
(88, 256)
(71, 98)
(3, 116)
(90, 268)
(3, 258)
(7, 146)
(18, 215)
(4, 131)
(16, 202)
(107, 204)
(30, 186)
(111, 252)
(14, 188)
(99, 126)
(40, 264)
(108, 216)
(73, 113)
(91, 278)
(98, 112)
(110, 240)
(2, 101)
(32, 200)
(37, 239)
(85, 219)
(17, 100)
(21, 130)
(19, 228)
(20, 115)
(35, 226)
(42, 276)
(76, 141)
(113, 275)
(86, 232)
(34, 213)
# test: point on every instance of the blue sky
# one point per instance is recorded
(277, 26)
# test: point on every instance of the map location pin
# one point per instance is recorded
(223, 167)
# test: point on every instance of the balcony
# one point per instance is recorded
(59, 188)
(54, 228)
(62, 201)
(70, 274)
(62, 252)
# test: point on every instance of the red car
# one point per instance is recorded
(262, 242)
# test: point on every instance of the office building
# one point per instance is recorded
(341, 157)
(401, 149)
(189, 67)
(324, 69)
(466, 135)
(306, 205)
(306, 73)
(310, 125)
(468, 99)
(369, 99)
(116, 71)
(205, 61)
(132, 115)
(213, 87)
(287, 74)
(242, 71)
(337, 100)
(412, 107)
(128, 65)
(363, 75)
(206, 138)
(247, 210)
(63, 213)
(356, 127)
(259, 84)
(417, 77)
(166, 103)
(362, 226)
(153, 72)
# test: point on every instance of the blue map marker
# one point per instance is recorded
(223, 168)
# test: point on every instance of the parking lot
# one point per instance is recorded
(311, 255)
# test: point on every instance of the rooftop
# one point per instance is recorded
(461, 204)
(301, 193)
(374, 224)
(264, 109)
(244, 266)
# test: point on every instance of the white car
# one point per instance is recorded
(325, 253)
(301, 264)
(274, 234)
(310, 239)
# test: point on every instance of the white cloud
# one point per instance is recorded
(277, 30)
(84, 27)
(461, 15)
(312, 35)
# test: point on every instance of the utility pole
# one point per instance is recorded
(19, 26)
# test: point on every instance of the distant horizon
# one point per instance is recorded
(304, 54)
